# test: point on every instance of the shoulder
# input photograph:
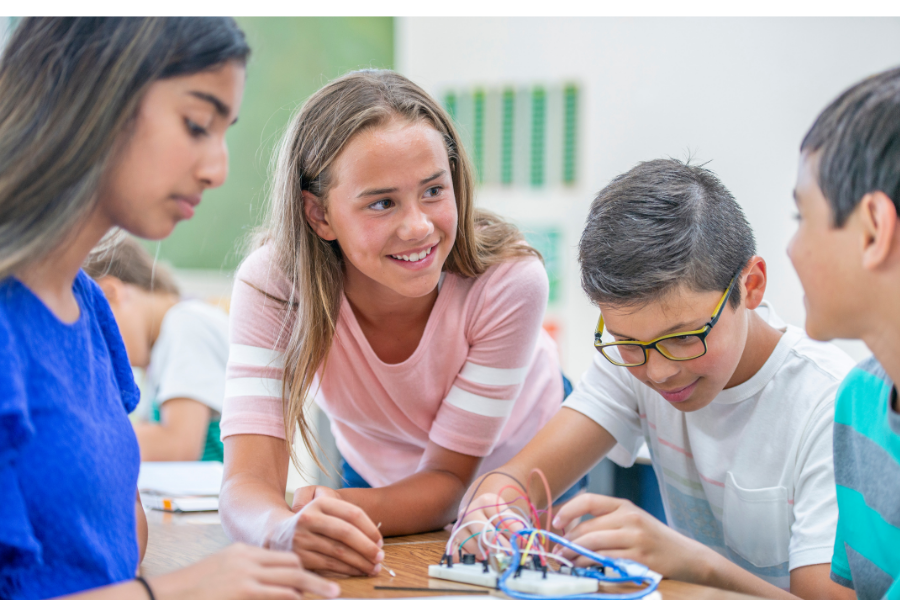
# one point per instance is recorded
(193, 322)
(861, 391)
(95, 303)
(196, 313)
(824, 358)
(819, 360)
(260, 271)
(523, 277)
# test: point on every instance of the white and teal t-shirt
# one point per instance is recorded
(188, 361)
(750, 475)
(867, 474)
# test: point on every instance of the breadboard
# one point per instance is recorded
(529, 581)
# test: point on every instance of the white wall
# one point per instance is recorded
(737, 92)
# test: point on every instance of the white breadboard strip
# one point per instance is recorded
(529, 581)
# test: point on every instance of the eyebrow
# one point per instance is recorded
(796, 197)
(222, 109)
(673, 329)
(380, 191)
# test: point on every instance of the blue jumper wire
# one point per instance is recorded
(628, 571)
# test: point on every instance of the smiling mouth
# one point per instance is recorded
(414, 256)
(680, 394)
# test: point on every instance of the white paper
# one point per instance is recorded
(201, 478)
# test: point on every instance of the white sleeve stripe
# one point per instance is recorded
(253, 386)
(241, 354)
(492, 376)
(473, 403)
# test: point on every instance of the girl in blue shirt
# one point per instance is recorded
(104, 123)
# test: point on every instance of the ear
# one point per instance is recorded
(877, 216)
(317, 217)
(753, 282)
(113, 289)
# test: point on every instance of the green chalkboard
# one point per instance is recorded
(292, 58)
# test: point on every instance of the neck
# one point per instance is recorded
(51, 277)
(761, 341)
(378, 304)
(883, 339)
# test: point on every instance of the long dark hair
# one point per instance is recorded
(68, 88)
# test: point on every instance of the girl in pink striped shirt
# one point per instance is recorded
(411, 318)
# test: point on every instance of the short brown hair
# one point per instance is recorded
(127, 261)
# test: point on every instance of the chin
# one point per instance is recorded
(816, 331)
(154, 232)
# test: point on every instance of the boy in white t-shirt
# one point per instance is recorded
(182, 344)
(735, 406)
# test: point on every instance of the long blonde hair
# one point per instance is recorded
(314, 267)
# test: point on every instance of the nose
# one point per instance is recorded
(660, 369)
(416, 225)
(213, 167)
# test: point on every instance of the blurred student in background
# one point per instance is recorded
(104, 123)
(181, 344)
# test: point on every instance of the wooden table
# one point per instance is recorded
(177, 540)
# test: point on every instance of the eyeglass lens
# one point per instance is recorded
(683, 347)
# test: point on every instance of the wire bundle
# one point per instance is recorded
(517, 535)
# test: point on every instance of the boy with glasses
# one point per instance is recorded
(847, 254)
(735, 405)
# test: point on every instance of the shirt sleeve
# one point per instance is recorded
(18, 544)
(607, 396)
(258, 335)
(506, 318)
(190, 364)
(815, 498)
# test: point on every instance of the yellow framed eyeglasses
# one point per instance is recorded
(687, 345)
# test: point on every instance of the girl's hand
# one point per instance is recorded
(481, 511)
(330, 534)
(242, 572)
(619, 529)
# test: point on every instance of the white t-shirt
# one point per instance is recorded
(189, 357)
(751, 474)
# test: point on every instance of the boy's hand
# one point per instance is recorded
(619, 529)
(482, 510)
(330, 534)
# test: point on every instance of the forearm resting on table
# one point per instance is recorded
(424, 501)
(811, 582)
(252, 510)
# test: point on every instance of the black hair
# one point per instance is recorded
(858, 140)
(663, 224)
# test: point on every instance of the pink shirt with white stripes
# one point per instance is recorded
(483, 380)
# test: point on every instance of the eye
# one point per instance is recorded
(796, 216)
(194, 129)
(433, 192)
(382, 204)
